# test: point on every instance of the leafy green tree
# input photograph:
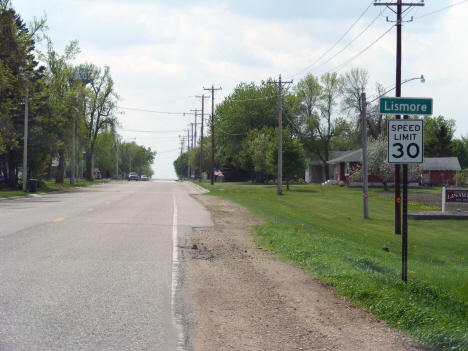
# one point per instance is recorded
(461, 147)
(101, 108)
(181, 165)
(293, 156)
(135, 158)
(319, 126)
(254, 148)
(249, 107)
(206, 157)
(19, 72)
(309, 93)
(105, 153)
(438, 137)
(64, 101)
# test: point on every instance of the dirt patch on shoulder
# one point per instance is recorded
(248, 300)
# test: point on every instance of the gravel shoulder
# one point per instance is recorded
(246, 299)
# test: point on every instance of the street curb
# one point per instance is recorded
(199, 188)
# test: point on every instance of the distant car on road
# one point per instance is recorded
(143, 178)
(133, 176)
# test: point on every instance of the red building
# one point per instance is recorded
(437, 171)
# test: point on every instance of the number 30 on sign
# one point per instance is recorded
(405, 141)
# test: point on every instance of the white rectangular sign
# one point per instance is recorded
(405, 141)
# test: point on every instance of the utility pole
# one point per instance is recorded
(196, 113)
(365, 177)
(72, 175)
(194, 144)
(25, 151)
(399, 12)
(191, 150)
(117, 161)
(279, 179)
(201, 132)
(188, 153)
(212, 131)
(181, 145)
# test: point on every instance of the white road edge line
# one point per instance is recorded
(175, 277)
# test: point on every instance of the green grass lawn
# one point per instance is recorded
(325, 233)
(49, 187)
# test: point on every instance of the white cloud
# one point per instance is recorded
(161, 51)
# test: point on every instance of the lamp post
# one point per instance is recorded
(422, 79)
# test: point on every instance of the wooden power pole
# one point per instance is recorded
(212, 131)
(279, 180)
(399, 12)
(201, 132)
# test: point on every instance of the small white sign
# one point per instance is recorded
(405, 141)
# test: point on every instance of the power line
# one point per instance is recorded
(162, 112)
(151, 131)
(305, 69)
(447, 7)
(166, 139)
(164, 152)
(363, 51)
(166, 102)
(331, 58)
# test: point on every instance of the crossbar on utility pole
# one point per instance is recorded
(399, 12)
(201, 132)
(279, 179)
(212, 131)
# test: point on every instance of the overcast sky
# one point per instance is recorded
(163, 53)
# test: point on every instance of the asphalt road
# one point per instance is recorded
(96, 269)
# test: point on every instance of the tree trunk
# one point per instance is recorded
(12, 177)
(89, 165)
(48, 170)
(385, 185)
(61, 167)
(258, 176)
(327, 171)
(287, 183)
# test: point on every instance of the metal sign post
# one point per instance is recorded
(405, 146)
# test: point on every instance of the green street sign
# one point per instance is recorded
(405, 106)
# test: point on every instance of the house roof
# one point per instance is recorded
(430, 163)
(348, 156)
(441, 164)
(333, 154)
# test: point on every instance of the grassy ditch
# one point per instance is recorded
(49, 187)
(325, 233)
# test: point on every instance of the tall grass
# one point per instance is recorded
(325, 233)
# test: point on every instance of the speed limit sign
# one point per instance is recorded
(405, 141)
